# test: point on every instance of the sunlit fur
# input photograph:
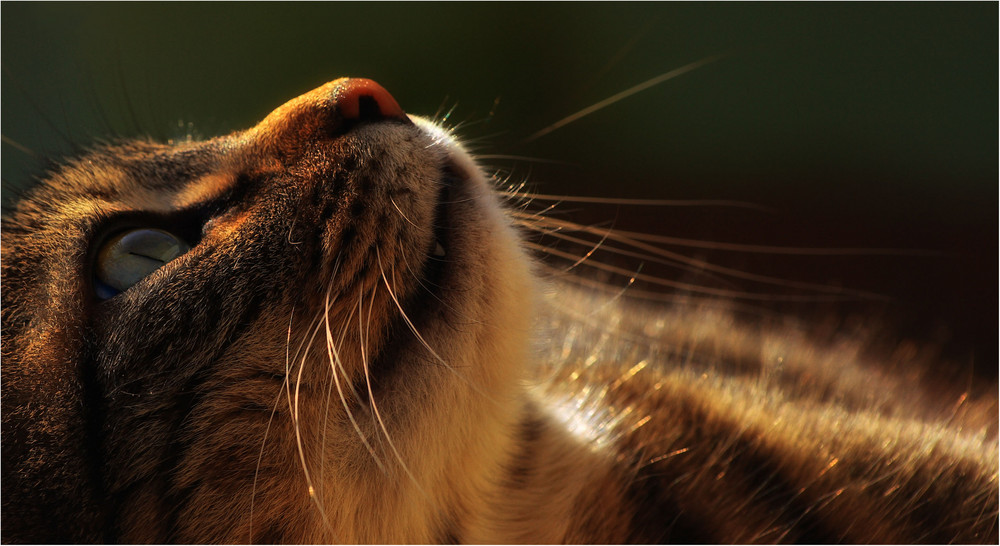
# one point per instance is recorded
(313, 370)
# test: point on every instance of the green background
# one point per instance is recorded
(855, 124)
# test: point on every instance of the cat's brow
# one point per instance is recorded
(205, 189)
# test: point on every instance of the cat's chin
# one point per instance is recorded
(440, 387)
(473, 253)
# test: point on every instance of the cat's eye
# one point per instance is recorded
(129, 257)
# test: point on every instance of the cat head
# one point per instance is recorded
(286, 333)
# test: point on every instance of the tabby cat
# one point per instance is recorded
(326, 328)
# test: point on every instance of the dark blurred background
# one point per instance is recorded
(859, 125)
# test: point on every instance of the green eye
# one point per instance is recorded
(127, 258)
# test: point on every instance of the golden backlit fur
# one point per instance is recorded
(768, 436)
(359, 348)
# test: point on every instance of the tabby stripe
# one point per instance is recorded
(448, 534)
(93, 419)
(190, 396)
(528, 434)
(752, 471)
(658, 519)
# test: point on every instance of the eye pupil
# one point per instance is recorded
(131, 256)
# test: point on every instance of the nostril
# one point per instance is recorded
(361, 99)
(326, 112)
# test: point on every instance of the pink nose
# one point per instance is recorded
(363, 99)
(324, 112)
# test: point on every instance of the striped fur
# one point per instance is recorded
(313, 371)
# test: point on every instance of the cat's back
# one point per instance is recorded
(733, 430)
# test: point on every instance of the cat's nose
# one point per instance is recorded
(325, 112)
(363, 99)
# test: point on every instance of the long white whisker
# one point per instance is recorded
(302, 354)
(420, 338)
(673, 299)
(623, 95)
(524, 158)
(647, 202)
(267, 429)
(406, 319)
(590, 252)
(694, 288)
(557, 233)
(416, 333)
(424, 285)
(374, 406)
(294, 407)
(336, 363)
(622, 237)
(391, 200)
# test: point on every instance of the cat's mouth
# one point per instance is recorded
(450, 181)
(443, 252)
(448, 250)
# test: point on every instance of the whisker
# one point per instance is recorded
(323, 435)
(413, 329)
(424, 285)
(45, 117)
(661, 297)
(437, 118)
(294, 410)
(691, 287)
(511, 193)
(767, 249)
(524, 158)
(618, 56)
(761, 249)
(590, 252)
(406, 318)
(536, 215)
(649, 202)
(293, 401)
(374, 406)
(623, 95)
(701, 264)
(267, 429)
(391, 200)
(18, 146)
(336, 363)
(623, 252)
(307, 340)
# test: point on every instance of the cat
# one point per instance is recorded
(329, 328)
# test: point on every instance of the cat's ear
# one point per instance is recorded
(325, 112)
